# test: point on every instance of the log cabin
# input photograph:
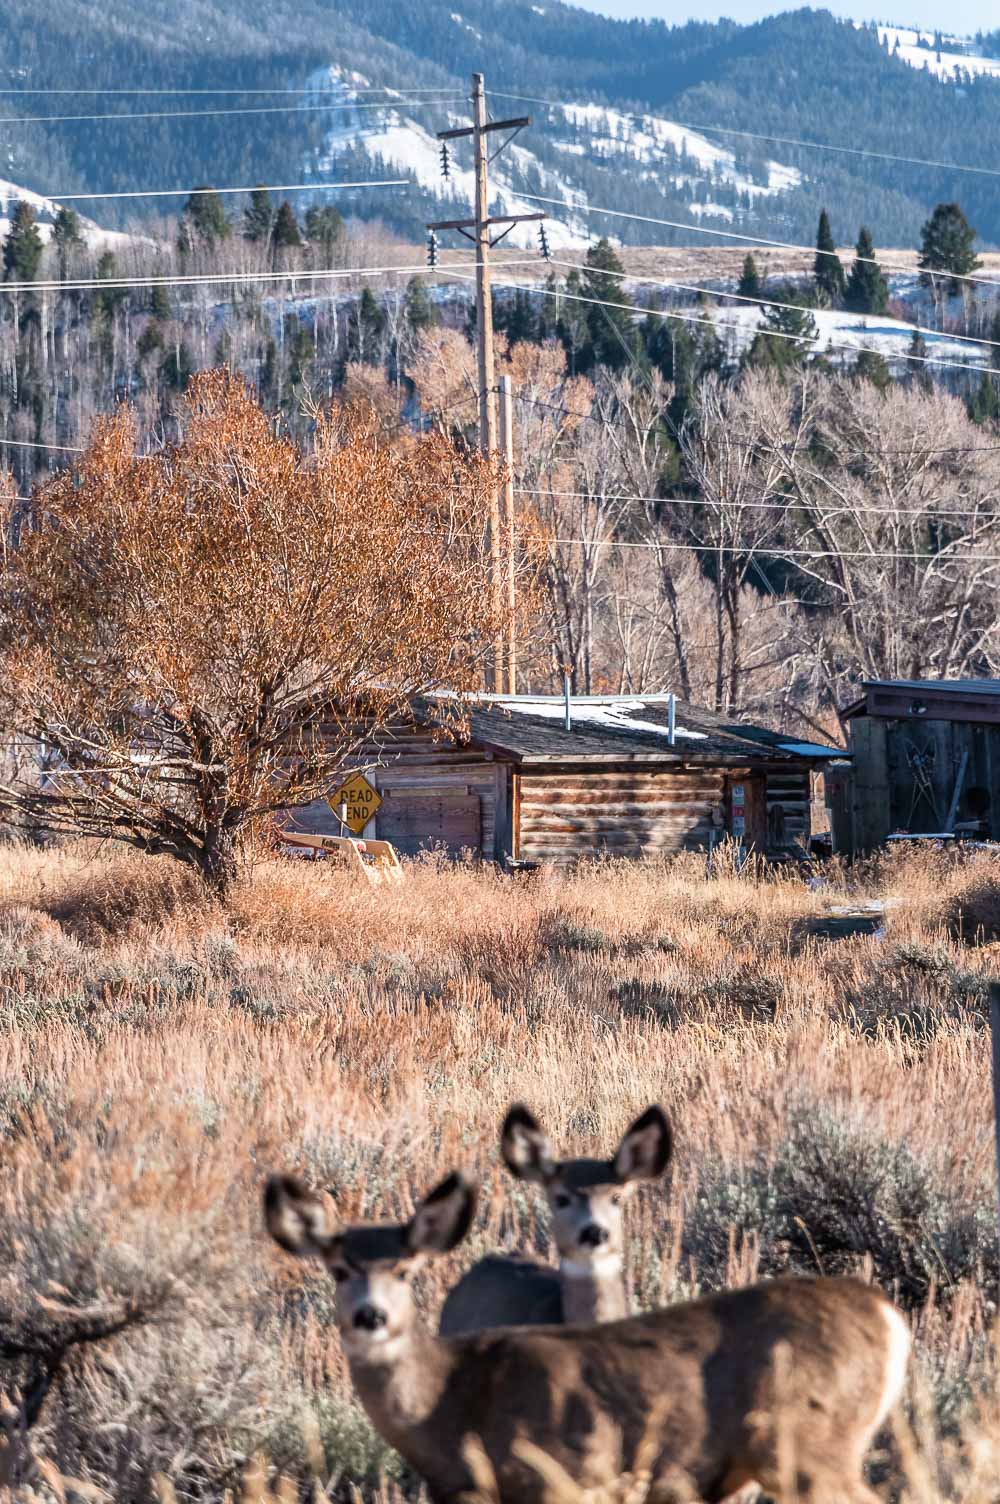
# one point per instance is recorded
(539, 779)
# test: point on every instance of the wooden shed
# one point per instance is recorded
(926, 758)
(525, 788)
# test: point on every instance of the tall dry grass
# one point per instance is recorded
(158, 1056)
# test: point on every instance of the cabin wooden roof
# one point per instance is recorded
(615, 729)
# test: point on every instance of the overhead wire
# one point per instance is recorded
(764, 302)
(684, 318)
(752, 240)
(202, 192)
(725, 130)
(265, 109)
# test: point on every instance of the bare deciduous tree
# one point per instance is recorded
(198, 633)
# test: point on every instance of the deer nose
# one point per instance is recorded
(369, 1318)
(593, 1235)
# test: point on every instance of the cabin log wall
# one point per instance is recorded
(570, 813)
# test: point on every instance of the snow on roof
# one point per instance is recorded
(612, 714)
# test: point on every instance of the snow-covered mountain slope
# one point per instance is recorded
(669, 168)
(958, 55)
(46, 210)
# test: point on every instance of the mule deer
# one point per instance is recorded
(782, 1384)
(587, 1202)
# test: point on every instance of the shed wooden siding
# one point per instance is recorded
(886, 792)
(412, 767)
(567, 813)
(788, 799)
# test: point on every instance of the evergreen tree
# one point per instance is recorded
(107, 271)
(749, 285)
(22, 251)
(419, 310)
(784, 338)
(516, 317)
(612, 336)
(286, 227)
(150, 341)
(867, 291)
(985, 405)
(178, 368)
(159, 301)
(571, 325)
(365, 329)
(946, 246)
(871, 366)
(918, 373)
(203, 221)
(324, 227)
(258, 217)
(67, 238)
(827, 269)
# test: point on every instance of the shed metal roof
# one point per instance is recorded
(939, 686)
(531, 729)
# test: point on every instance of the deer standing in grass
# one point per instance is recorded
(782, 1384)
(587, 1199)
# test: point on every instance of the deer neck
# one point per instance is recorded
(594, 1291)
(402, 1388)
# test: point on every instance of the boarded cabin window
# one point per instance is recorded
(415, 820)
(746, 809)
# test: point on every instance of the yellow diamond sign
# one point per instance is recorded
(355, 802)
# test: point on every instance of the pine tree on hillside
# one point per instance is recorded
(946, 242)
(612, 336)
(258, 217)
(203, 221)
(867, 291)
(871, 366)
(827, 269)
(286, 227)
(985, 405)
(67, 237)
(750, 284)
(420, 312)
(918, 374)
(159, 301)
(784, 338)
(324, 226)
(22, 251)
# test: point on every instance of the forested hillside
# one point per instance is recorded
(800, 75)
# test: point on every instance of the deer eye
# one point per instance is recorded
(562, 1200)
(616, 1199)
(403, 1274)
(340, 1273)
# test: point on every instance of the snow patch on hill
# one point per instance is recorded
(46, 210)
(958, 55)
(656, 151)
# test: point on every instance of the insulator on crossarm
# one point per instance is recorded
(432, 250)
(543, 243)
(445, 160)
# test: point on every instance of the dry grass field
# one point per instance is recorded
(830, 1097)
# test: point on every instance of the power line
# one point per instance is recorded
(685, 318)
(753, 240)
(724, 130)
(789, 504)
(265, 109)
(316, 89)
(782, 553)
(570, 412)
(69, 198)
(201, 279)
(764, 302)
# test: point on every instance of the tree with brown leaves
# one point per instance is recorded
(193, 639)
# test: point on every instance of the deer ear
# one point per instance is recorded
(645, 1151)
(297, 1219)
(525, 1147)
(443, 1218)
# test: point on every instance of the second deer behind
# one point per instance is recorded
(587, 1199)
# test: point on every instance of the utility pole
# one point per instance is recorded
(507, 522)
(480, 227)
